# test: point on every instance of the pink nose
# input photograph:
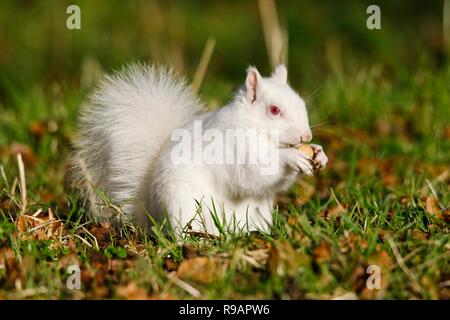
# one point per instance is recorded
(306, 137)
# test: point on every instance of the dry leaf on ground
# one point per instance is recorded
(40, 226)
(132, 292)
(322, 253)
(101, 233)
(336, 211)
(432, 207)
(204, 270)
(284, 259)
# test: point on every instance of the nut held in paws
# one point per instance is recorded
(307, 150)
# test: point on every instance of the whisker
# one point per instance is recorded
(325, 120)
(322, 122)
(315, 93)
(323, 129)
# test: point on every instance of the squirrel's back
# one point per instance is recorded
(127, 121)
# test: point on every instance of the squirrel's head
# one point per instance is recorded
(271, 103)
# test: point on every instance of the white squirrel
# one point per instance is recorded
(126, 149)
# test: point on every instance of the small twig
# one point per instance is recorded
(276, 38)
(408, 257)
(35, 218)
(29, 292)
(400, 260)
(38, 212)
(22, 184)
(50, 214)
(5, 180)
(251, 261)
(347, 296)
(93, 237)
(442, 177)
(42, 226)
(83, 240)
(183, 285)
(203, 64)
(203, 235)
(333, 195)
(433, 192)
(14, 187)
(444, 284)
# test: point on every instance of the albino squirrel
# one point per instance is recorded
(128, 141)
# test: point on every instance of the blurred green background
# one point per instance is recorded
(37, 48)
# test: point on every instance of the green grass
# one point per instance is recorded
(381, 103)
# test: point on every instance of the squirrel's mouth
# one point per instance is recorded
(285, 145)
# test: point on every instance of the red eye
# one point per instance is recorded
(275, 110)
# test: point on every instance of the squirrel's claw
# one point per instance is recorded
(299, 162)
(320, 158)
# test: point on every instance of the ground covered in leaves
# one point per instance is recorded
(379, 104)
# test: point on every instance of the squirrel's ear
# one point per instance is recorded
(251, 83)
(280, 73)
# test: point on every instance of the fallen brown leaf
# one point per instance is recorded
(358, 278)
(204, 270)
(40, 226)
(67, 260)
(99, 261)
(432, 207)
(419, 235)
(446, 215)
(47, 197)
(189, 251)
(446, 132)
(7, 258)
(131, 292)
(336, 211)
(383, 127)
(389, 180)
(380, 258)
(322, 253)
(444, 294)
(170, 265)
(86, 277)
(284, 260)
(6, 204)
(162, 296)
(38, 129)
(348, 242)
(367, 166)
(101, 233)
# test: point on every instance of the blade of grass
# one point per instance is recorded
(22, 184)
(203, 64)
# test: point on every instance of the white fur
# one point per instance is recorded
(125, 147)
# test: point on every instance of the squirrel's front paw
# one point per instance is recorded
(298, 161)
(320, 158)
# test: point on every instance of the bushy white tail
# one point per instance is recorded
(127, 121)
